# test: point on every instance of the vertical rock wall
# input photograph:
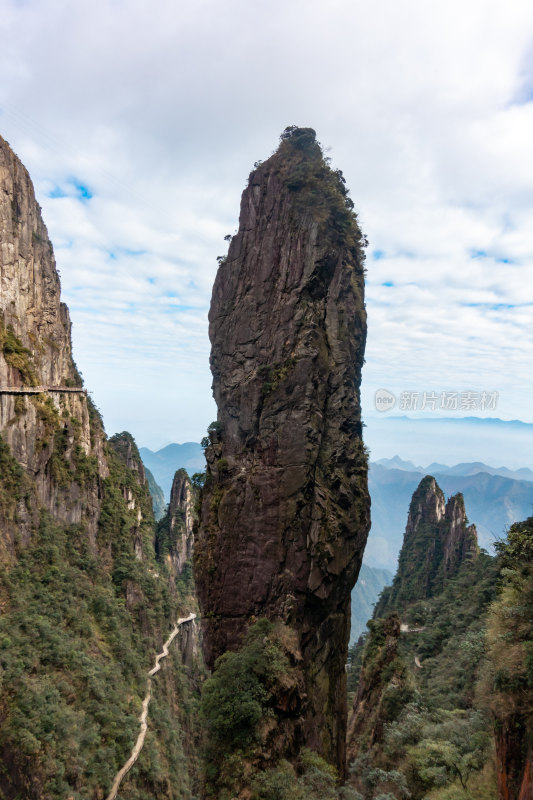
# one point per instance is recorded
(285, 510)
(50, 434)
(175, 538)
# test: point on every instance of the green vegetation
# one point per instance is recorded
(238, 695)
(274, 374)
(237, 702)
(311, 778)
(198, 479)
(510, 634)
(319, 190)
(68, 462)
(242, 704)
(434, 739)
(16, 355)
(422, 568)
(72, 663)
(13, 483)
(79, 628)
(507, 684)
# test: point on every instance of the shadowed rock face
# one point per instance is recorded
(285, 510)
(175, 539)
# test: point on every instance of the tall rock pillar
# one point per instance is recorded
(285, 509)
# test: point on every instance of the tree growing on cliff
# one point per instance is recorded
(508, 684)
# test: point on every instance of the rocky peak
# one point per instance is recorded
(175, 538)
(125, 447)
(31, 309)
(459, 541)
(427, 505)
(437, 541)
(285, 509)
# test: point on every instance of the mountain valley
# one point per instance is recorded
(199, 622)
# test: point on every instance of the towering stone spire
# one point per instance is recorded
(285, 510)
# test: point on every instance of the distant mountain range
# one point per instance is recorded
(494, 501)
(467, 468)
(164, 463)
(450, 440)
(370, 584)
(495, 496)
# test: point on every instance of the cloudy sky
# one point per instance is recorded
(140, 122)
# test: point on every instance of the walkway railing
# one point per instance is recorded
(41, 389)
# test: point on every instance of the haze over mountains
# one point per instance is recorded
(494, 501)
(451, 440)
(164, 463)
(495, 496)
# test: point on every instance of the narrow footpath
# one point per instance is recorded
(146, 702)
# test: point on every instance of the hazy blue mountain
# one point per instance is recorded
(165, 462)
(472, 468)
(493, 501)
(495, 496)
(434, 467)
(156, 492)
(465, 468)
(450, 440)
(398, 463)
(366, 591)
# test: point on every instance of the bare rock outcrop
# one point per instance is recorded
(437, 541)
(55, 434)
(81, 595)
(175, 536)
(285, 508)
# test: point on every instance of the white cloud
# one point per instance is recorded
(161, 112)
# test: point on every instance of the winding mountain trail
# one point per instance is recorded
(146, 702)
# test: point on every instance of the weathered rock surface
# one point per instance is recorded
(437, 541)
(50, 434)
(514, 759)
(82, 602)
(175, 537)
(285, 510)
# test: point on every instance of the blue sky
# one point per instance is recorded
(140, 128)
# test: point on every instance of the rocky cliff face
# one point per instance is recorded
(175, 537)
(285, 509)
(437, 541)
(83, 606)
(54, 434)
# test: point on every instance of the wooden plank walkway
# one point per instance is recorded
(41, 389)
